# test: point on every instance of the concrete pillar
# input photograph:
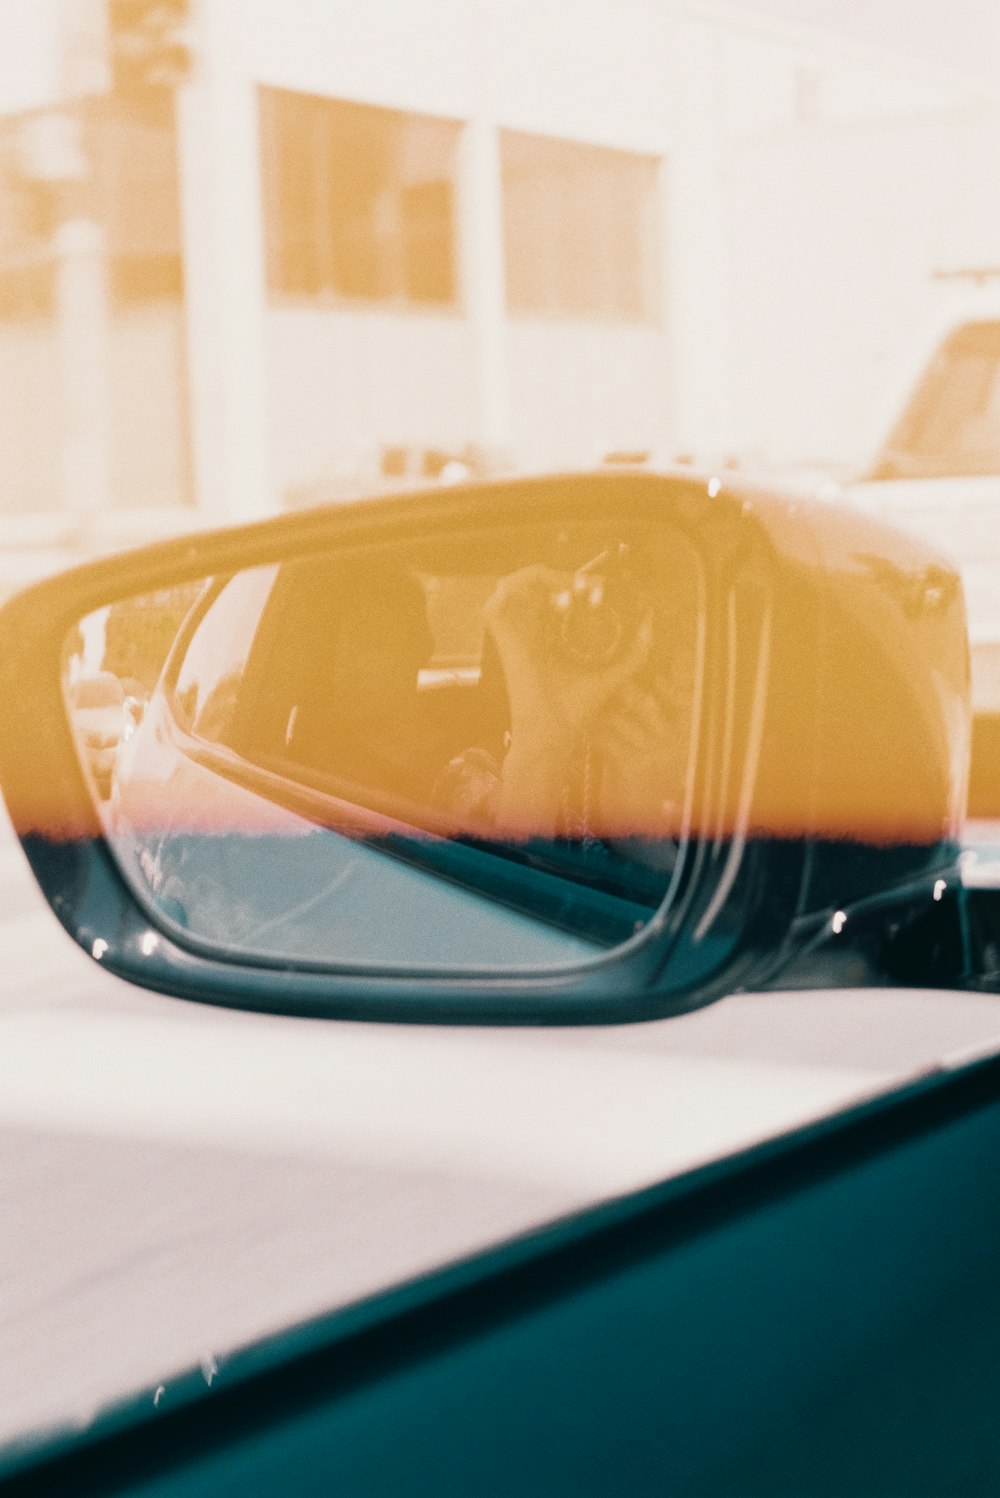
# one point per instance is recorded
(224, 270)
(83, 26)
(481, 262)
(82, 319)
(698, 236)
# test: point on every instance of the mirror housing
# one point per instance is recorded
(984, 777)
(829, 766)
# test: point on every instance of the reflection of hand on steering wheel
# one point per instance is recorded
(554, 699)
(553, 696)
(643, 754)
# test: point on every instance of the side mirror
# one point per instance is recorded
(585, 748)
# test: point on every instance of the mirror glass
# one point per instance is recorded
(469, 753)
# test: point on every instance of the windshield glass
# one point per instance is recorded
(280, 264)
(951, 427)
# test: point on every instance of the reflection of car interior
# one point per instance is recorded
(338, 680)
(349, 694)
(339, 684)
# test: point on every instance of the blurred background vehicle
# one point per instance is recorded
(107, 719)
(936, 470)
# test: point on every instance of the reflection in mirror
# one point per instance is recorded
(472, 753)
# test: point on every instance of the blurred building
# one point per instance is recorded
(369, 242)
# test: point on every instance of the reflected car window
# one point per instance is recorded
(952, 426)
(205, 691)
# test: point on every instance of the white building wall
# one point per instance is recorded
(594, 70)
(335, 377)
(771, 75)
(32, 420)
(147, 416)
(838, 232)
(816, 188)
(807, 191)
(148, 419)
(30, 60)
(581, 391)
(343, 383)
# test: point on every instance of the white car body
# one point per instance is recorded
(958, 513)
(104, 719)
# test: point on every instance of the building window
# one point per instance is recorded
(27, 292)
(359, 201)
(580, 230)
(28, 220)
(137, 181)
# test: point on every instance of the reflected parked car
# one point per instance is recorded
(936, 470)
(105, 716)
